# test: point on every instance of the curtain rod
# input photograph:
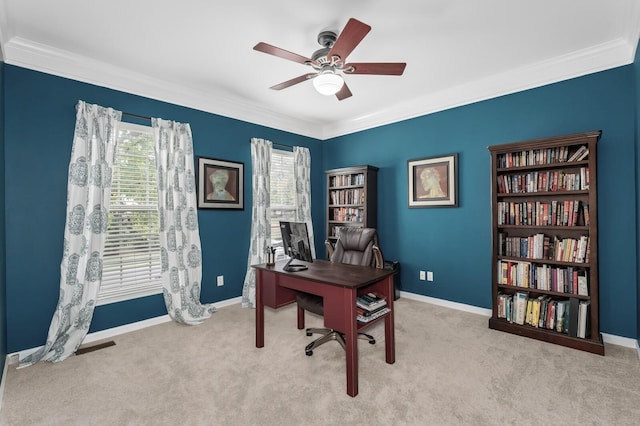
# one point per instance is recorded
(142, 117)
(280, 144)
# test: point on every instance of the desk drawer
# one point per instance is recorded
(273, 295)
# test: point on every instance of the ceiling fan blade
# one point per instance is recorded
(343, 93)
(349, 38)
(378, 68)
(281, 53)
(293, 81)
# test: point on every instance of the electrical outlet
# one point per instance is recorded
(422, 276)
(429, 276)
(220, 280)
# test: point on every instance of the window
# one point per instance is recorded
(131, 263)
(283, 196)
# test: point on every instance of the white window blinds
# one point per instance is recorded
(283, 195)
(131, 264)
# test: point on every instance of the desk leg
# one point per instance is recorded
(259, 311)
(351, 340)
(389, 325)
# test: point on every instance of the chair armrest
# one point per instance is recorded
(377, 255)
(329, 248)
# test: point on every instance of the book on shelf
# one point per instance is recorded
(370, 301)
(367, 313)
(572, 325)
(583, 289)
(535, 311)
(520, 307)
(584, 155)
(551, 315)
(580, 154)
(585, 214)
(374, 315)
(583, 321)
(560, 314)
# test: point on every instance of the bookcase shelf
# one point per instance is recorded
(545, 240)
(351, 198)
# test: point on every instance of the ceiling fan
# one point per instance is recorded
(330, 61)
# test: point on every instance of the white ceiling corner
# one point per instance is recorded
(456, 52)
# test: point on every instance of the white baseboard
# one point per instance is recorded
(115, 331)
(2, 382)
(447, 304)
(607, 338)
(621, 341)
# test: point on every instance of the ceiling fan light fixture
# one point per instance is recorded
(328, 82)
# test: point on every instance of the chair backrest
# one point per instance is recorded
(355, 246)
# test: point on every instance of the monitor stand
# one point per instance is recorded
(288, 267)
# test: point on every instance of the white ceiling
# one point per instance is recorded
(198, 53)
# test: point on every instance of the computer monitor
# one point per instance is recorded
(295, 240)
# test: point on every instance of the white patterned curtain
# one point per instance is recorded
(260, 216)
(302, 176)
(179, 236)
(88, 191)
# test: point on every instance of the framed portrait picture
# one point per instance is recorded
(220, 184)
(433, 181)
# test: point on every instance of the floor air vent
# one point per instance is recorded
(93, 348)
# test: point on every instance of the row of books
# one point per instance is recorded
(347, 196)
(568, 280)
(569, 316)
(347, 214)
(532, 247)
(371, 306)
(346, 180)
(543, 213)
(542, 156)
(544, 181)
(541, 246)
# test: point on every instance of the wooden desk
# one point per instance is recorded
(338, 284)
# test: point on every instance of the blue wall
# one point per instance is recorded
(455, 243)
(40, 118)
(3, 286)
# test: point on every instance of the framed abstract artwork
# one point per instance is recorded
(433, 181)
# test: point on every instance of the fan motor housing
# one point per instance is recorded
(326, 39)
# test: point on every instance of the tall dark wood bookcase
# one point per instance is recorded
(352, 198)
(545, 240)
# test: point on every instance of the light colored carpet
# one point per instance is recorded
(450, 369)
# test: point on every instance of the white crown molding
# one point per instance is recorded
(633, 33)
(50, 60)
(54, 61)
(597, 58)
(4, 29)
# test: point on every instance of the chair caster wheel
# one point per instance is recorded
(372, 342)
(309, 353)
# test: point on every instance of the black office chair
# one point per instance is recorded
(355, 246)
